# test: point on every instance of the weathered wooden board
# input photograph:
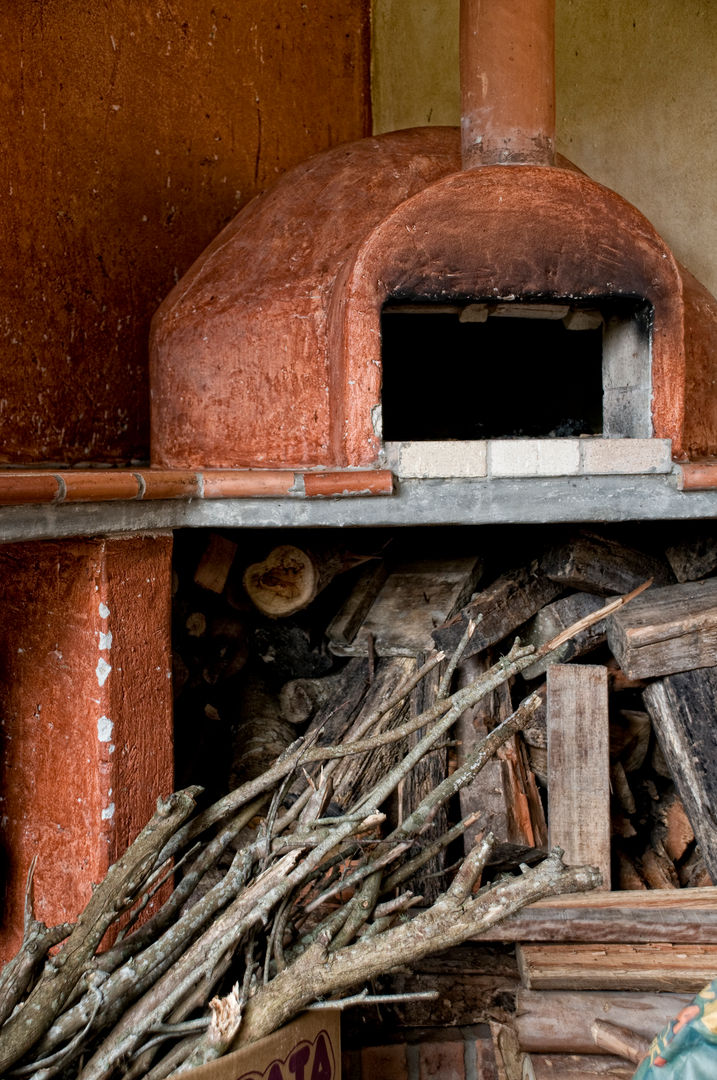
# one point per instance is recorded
(685, 915)
(411, 602)
(668, 967)
(505, 605)
(599, 564)
(666, 630)
(559, 1021)
(578, 765)
(683, 708)
(556, 617)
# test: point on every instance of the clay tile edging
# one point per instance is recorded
(364, 482)
(167, 484)
(21, 488)
(99, 485)
(245, 484)
(698, 476)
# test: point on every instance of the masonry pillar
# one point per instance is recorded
(85, 713)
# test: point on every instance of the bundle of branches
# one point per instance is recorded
(307, 904)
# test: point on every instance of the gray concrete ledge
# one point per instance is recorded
(532, 500)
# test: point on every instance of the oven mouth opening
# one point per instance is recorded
(481, 368)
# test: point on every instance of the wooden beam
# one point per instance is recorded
(675, 968)
(578, 765)
(672, 915)
(560, 1021)
(666, 630)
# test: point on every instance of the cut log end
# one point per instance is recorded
(285, 582)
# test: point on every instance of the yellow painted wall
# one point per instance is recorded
(636, 100)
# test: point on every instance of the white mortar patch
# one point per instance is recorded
(109, 812)
(106, 640)
(102, 671)
(105, 727)
(104, 611)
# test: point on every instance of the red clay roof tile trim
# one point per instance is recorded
(351, 482)
(20, 488)
(37, 486)
(698, 476)
(245, 483)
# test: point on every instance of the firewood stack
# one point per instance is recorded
(273, 640)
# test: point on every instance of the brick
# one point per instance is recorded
(625, 456)
(481, 1052)
(438, 459)
(441, 1061)
(533, 457)
(384, 1062)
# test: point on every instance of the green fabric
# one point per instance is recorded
(687, 1048)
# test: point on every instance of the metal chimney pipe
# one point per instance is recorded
(507, 52)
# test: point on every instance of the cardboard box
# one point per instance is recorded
(309, 1048)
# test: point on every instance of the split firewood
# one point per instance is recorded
(597, 564)
(289, 578)
(502, 607)
(216, 563)
(409, 603)
(667, 630)
(657, 870)
(673, 828)
(682, 707)
(629, 878)
(694, 556)
(630, 733)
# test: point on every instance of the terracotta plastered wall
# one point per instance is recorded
(131, 134)
(636, 106)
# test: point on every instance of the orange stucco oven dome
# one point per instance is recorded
(268, 352)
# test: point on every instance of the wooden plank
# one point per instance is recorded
(598, 564)
(684, 915)
(505, 605)
(580, 1067)
(215, 564)
(666, 630)
(578, 765)
(560, 1021)
(674, 968)
(683, 708)
(414, 598)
